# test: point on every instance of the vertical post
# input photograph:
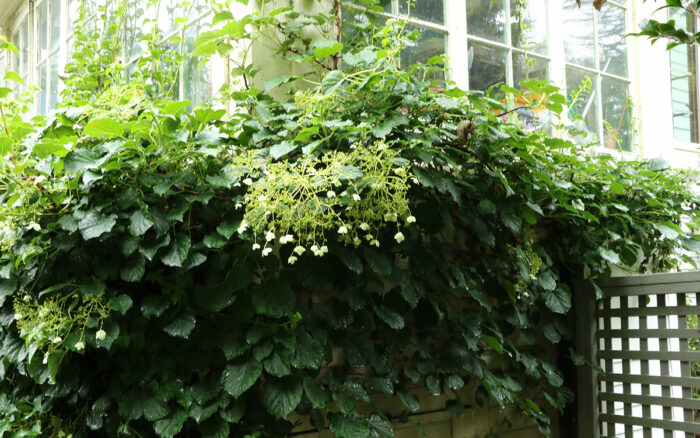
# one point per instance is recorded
(586, 377)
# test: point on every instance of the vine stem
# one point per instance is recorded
(4, 122)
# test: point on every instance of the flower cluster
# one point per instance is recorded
(353, 196)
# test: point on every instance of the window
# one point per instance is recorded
(492, 42)
(596, 55)
(507, 42)
(425, 16)
(684, 91)
(52, 35)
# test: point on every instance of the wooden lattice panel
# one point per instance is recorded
(646, 342)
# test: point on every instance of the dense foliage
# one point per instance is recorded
(176, 271)
(676, 30)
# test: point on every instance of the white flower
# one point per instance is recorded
(299, 250)
(100, 335)
(364, 226)
(291, 260)
(57, 339)
(342, 230)
(287, 238)
(330, 194)
(345, 193)
(375, 242)
(356, 197)
(262, 198)
(26, 298)
(267, 251)
(399, 237)
(238, 205)
(237, 184)
(270, 236)
(242, 227)
(79, 345)
(256, 246)
(411, 220)
(415, 180)
(18, 316)
(248, 181)
(323, 250)
(46, 358)
(336, 183)
(314, 249)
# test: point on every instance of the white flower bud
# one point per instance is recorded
(262, 198)
(375, 242)
(46, 358)
(299, 250)
(242, 227)
(26, 298)
(291, 260)
(57, 339)
(248, 181)
(342, 230)
(356, 241)
(323, 250)
(266, 252)
(18, 316)
(330, 194)
(238, 205)
(100, 335)
(399, 237)
(356, 197)
(364, 226)
(256, 246)
(411, 220)
(79, 345)
(270, 236)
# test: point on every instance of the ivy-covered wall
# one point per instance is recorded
(368, 244)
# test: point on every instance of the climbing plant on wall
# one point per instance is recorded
(178, 271)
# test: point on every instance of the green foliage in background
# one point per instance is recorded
(178, 271)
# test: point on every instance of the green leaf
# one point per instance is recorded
(154, 408)
(281, 396)
(309, 353)
(609, 255)
(139, 223)
(14, 76)
(332, 81)
(317, 395)
(236, 379)
(274, 299)
(349, 426)
(181, 326)
(172, 424)
(393, 319)
(282, 149)
(350, 259)
(277, 365)
(104, 128)
(279, 80)
(667, 231)
(324, 47)
(657, 164)
(80, 160)
(410, 400)
(96, 224)
(178, 251)
(558, 301)
(381, 426)
(121, 303)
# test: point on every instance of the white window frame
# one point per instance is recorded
(456, 29)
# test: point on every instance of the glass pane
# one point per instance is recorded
(529, 25)
(579, 41)
(197, 82)
(529, 67)
(55, 23)
(583, 109)
(612, 41)
(487, 66)
(683, 87)
(357, 26)
(431, 44)
(42, 31)
(428, 10)
(487, 19)
(172, 12)
(616, 114)
(134, 29)
(42, 91)
(14, 59)
(53, 82)
(73, 14)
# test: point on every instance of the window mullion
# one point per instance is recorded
(598, 81)
(456, 21)
(557, 55)
(509, 42)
